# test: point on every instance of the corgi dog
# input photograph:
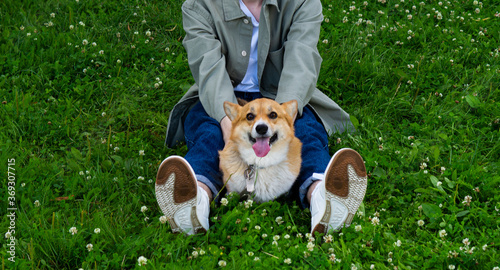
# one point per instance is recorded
(262, 155)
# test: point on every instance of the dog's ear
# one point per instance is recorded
(291, 108)
(231, 110)
(242, 102)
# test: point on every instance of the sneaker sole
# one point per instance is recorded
(176, 188)
(347, 185)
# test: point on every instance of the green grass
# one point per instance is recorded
(423, 92)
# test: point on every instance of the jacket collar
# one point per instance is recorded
(232, 10)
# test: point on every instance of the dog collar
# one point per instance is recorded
(250, 178)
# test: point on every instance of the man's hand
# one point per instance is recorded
(226, 126)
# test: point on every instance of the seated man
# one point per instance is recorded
(250, 49)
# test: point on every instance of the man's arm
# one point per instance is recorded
(301, 60)
(206, 61)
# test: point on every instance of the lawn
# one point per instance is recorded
(86, 88)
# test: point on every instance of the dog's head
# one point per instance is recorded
(262, 124)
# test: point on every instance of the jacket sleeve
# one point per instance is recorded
(206, 61)
(301, 60)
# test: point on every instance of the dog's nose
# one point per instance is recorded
(261, 129)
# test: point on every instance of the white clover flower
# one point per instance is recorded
(90, 247)
(439, 183)
(37, 203)
(195, 254)
(248, 203)
(116, 149)
(328, 238)
(288, 261)
(71, 27)
(358, 228)
(202, 252)
(85, 42)
(141, 152)
(287, 236)
(8, 234)
(257, 227)
(375, 221)
(81, 23)
(21, 28)
(222, 263)
(97, 230)
(442, 233)
(224, 201)
(256, 259)
(485, 247)
(73, 230)
(142, 261)
(466, 241)
(94, 44)
(332, 257)
(144, 209)
(140, 178)
(264, 235)
(250, 254)
(467, 200)
(163, 219)
(451, 266)
(310, 246)
(101, 52)
(279, 220)
(420, 223)
(397, 243)
(276, 237)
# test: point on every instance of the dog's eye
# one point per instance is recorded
(250, 116)
(273, 115)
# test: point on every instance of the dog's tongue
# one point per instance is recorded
(261, 147)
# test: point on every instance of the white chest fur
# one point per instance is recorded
(269, 182)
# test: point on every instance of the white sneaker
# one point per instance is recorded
(184, 203)
(335, 200)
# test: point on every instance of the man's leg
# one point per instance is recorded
(333, 187)
(335, 200)
(185, 186)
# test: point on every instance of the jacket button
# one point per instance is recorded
(245, 21)
(243, 53)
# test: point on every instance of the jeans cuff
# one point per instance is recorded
(304, 188)
(209, 184)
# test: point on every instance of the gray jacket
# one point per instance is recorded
(217, 42)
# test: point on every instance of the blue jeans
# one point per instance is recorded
(204, 139)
